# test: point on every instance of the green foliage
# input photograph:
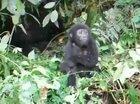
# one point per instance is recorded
(134, 95)
(36, 79)
(125, 2)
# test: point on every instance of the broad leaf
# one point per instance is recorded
(35, 2)
(3, 47)
(31, 55)
(49, 5)
(46, 20)
(15, 19)
(56, 85)
(11, 7)
(70, 98)
(40, 70)
(135, 56)
(5, 39)
(20, 7)
(16, 7)
(127, 73)
(4, 4)
(54, 16)
(17, 49)
(61, 11)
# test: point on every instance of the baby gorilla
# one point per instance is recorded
(81, 53)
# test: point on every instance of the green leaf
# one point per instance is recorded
(15, 19)
(118, 72)
(135, 56)
(12, 6)
(56, 85)
(49, 5)
(5, 39)
(24, 63)
(133, 95)
(61, 11)
(20, 7)
(81, 97)
(46, 20)
(27, 90)
(7, 88)
(138, 49)
(55, 59)
(4, 4)
(17, 49)
(16, 7)
(23, 29)
(42, 82)
(103, 85)
(35, 2)
(40, 69)
(54, 16)
(127, 73)
(3, 47)
(70, 98)
(31, 55)
(104, 48)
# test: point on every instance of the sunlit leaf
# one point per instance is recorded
(61, 11)
(15, 72)
(3, 47)
(27, 89)
(16, 7)
(70, 98)
(135, 56)
(24, 63)
(49, 5)
(56, 85)
(46, 20)
(54, 16)
(103, 85)
(103, 48)
(5, 39)
(23, 29)
(7, 88)
(127, 73)
(31, 55)
(81, 96)
(54, 59)
(17, 49)
(42, 82)
(40, 69)
(4, 4)
(118, 72)
(133, 95)
(20, 7)
(138, 49)
(15, 19)
(11, 7)
(56, 24)
(35, 2)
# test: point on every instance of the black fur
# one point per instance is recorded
(81, 53)
(37, 36)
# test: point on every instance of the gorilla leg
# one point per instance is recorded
(70, 68)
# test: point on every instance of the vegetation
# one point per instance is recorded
(36, 79)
